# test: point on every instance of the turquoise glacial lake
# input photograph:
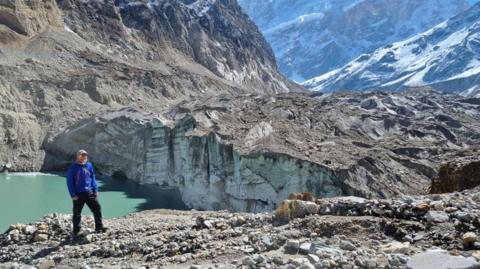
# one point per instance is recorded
(26, 197)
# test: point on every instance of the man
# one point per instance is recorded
(82, 186)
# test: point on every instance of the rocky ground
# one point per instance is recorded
(435, 231)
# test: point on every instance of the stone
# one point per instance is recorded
(40, 237)
(300, 261)
(267, 241)
(351, 200)
(278, 260)
(208, 224)
(311, 208)
(407, 199)
(157, 243)
(418, 237)
(451, 209)
(469, 238)
(463, 216)
(324, 252)
(248, 249)
(396, 260)
(241, 220)
(258, 258)
(421, 208)
(476, 197)
(370, 264)
(90, 238)
(42, 227)
(476, 255)
(305, 248)
(437, 216)
(292, 246)
(14, 232)
(437, 205)
(313, 258)
(369, 103)
(306, 266)
(365, 263)
(29, 229)
(46, 264)
(346, 245)
(440, 259)
(396, 247)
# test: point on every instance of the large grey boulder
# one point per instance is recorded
(437, 216)
(440, 259)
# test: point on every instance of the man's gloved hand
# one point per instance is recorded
(75, 198)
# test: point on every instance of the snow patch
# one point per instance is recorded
(201, 7)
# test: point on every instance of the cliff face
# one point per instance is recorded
(66, 60)
(215, 34)
(20, 19)
(458, 175)
(249, 152)
(209, 172)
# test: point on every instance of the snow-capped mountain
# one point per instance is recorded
(312, 37)
(446, 57)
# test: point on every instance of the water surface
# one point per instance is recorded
(26, 197)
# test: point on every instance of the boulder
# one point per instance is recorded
(469, 238)
(440, 259)
(46, 264)
(437, 216)
(305, 248)
(40, 237)
(397, 247)
(292, 246)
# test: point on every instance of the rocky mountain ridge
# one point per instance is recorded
(61, 61)
(444, 58)
(311, 38)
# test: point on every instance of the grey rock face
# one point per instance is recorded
(439, 259)
(457, 175)
(62, 61)
(209, 173)
(21, 19)
(196, 29)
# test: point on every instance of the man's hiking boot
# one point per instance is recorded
(76, 235)
(101, 230)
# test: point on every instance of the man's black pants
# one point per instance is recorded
(91, 200)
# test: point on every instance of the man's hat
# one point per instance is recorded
(82, 152)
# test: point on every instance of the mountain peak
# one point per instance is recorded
(311, 38)
(444, 57)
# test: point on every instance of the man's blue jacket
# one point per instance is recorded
(81, 178)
